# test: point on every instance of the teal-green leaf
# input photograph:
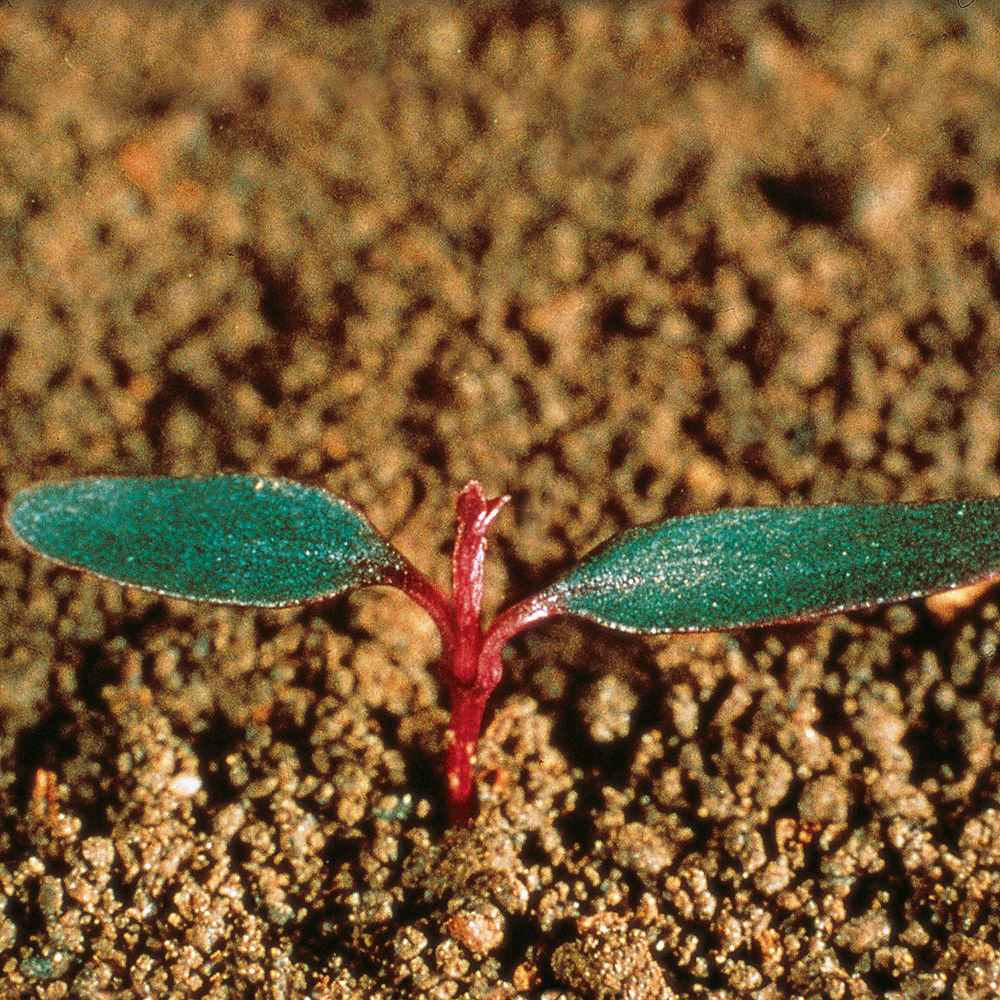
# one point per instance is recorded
(754, 566)
(233, 539)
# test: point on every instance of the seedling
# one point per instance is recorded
(257, 542)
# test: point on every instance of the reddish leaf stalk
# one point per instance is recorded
(471, 666)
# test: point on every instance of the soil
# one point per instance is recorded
(621, 262)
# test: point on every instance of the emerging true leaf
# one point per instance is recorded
(761, 565)
(232, 539)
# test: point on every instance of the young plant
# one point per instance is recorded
(245, 540)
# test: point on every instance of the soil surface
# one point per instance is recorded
(621, 263)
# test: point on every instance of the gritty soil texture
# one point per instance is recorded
(621, 262)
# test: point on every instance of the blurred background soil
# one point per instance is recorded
(622, 262)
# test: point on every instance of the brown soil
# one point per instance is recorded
(620, 263)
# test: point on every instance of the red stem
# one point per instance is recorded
(471, 666)
(475, 515)
(463, 734)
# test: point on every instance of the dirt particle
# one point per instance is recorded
(408, 943)
(481, 931)
(864, 933)
(642, 848)
(607, 706)
(824, 800)
(610, 961)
